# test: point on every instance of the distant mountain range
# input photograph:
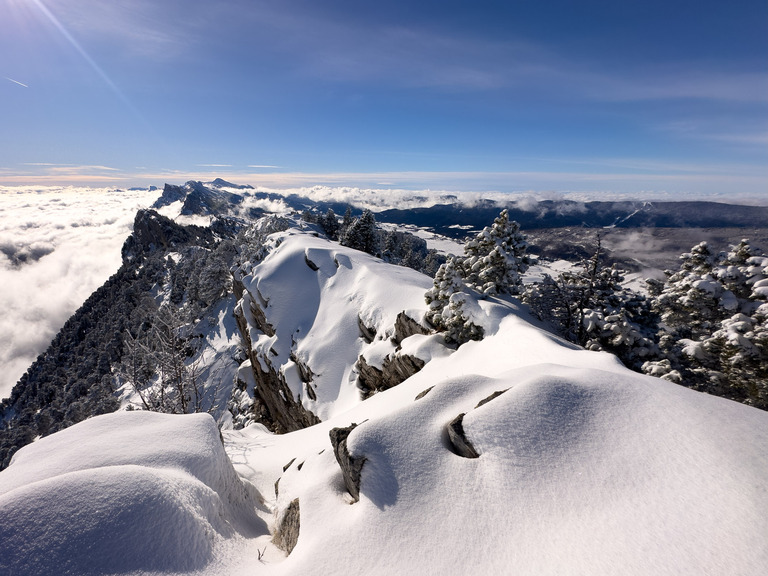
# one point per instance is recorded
(456, 219)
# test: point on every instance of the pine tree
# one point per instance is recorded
(446, 302)
(589, 306)
(362, 234)
(330, 224)
(495, 260)
(346, 221)
(714, 316)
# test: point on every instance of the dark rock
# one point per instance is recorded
(171, 194)
(461, 444)
(305, 372)
(367, 334)
(406, 326)
(423, 393)
(289, 464)
(351, 467)
(394, 370)
(369, 377)
(400, 367)
(258, 315)
(311, 264)
(237, 286)
(287, 534)
(278, 410)
(491, 397)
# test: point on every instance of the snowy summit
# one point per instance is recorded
(383, 449)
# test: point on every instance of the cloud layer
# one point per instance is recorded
(57, 245)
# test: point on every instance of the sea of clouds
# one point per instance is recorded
(57, 245)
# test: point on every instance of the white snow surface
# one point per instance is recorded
(124, 492)
(315, 312)
(585, 467)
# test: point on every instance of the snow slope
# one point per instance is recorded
(584, 467)
(315, 313)
(122, 492)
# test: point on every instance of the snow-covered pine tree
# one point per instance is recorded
(714, 317)
(346, 221)
(495, 260)
(589, 306)
(330, 224)
(446, 301)
(361, 234)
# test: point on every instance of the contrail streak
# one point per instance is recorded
(16, 82)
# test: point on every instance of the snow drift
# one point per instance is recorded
(123, 492)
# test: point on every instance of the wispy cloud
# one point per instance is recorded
(419, 57)
(215, 165)
(16, 82)
(139, 28)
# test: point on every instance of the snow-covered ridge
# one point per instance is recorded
(582, 466)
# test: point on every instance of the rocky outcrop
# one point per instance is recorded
(406, 326)
(153, 231)
(351, 467)
(459, 441)
(491, 397)
(273, 400)
(366, 333)
(306, 375)
(199, 199)
(312, 266)
(258, 314)
(287, 533)
(395, 369)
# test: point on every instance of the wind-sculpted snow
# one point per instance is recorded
(123, 492)
(583, 468)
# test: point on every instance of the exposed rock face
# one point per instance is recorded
(258, 315)
(198, 198)
(274, 403)
(406, 326)
(461, 444)
(312, 266)
(287, 533)
(306, 375)
(351, 467)
(152, 231)
(395, 369)
(368, 334)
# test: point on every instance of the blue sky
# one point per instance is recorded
(623, 97)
